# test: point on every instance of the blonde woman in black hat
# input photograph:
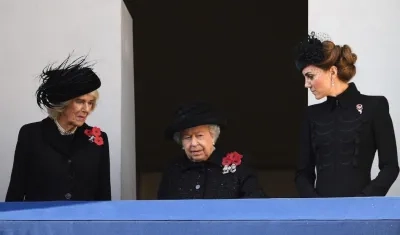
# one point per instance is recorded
(204, 171)
(61, 157)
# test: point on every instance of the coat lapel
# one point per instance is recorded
(63, 145)
(53, 137)
(81, 140)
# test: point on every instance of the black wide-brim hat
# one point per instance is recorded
(67, 81)
(192, 115)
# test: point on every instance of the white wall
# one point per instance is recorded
(35, 33)
(128, 149)
(371, 29)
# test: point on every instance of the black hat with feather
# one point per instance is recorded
(66, 81)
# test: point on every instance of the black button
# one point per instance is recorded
(69, 161)
(68, 196)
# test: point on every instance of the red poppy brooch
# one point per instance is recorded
(95, 135)
(230, 162)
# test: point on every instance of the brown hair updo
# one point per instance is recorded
(340, 56)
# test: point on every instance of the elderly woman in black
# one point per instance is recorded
(204, 171)
(61, 157)
(340, 136)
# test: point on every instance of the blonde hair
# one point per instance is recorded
(54, 113)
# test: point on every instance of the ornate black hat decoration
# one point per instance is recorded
(309, 52)
(194, 114)
(65, 82)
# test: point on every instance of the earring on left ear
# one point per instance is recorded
(332, 82)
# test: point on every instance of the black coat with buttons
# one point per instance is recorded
(185, 179)
(339, 140)
(49, 166)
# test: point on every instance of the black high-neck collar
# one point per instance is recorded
(347, 98)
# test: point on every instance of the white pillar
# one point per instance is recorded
(370, 28)
(128, 147)
(35, 33)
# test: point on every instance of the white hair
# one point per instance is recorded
(215, 131)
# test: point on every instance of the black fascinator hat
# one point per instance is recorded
(66, 81)
(194, 114)
(309, 52)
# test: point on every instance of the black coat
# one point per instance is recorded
(341, 140)
(185, 179)
(49, 166)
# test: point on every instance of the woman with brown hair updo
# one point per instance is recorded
(340, 136)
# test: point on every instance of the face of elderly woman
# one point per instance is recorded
(198, 143)
(78, 109)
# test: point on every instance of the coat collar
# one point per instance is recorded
(348, 98)
(63, 131)
(64, 144)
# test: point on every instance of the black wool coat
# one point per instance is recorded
(184, 179)
(339, 140)
(49, 166)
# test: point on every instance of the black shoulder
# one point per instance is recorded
(377, 102)
(245, 158)
(30, 127)
(175, 162)
(245, 161)
(383, 102)
(379, 99)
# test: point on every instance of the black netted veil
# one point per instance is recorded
(309, 52)
(65, 82)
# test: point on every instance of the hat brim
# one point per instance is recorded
(181, 126)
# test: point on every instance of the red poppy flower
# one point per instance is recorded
(88, 132)
(232, 158)
(96, 131)
(235, 157)
(226, 161)
(99, 141)
(95, 135)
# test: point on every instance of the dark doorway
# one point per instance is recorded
(237, 54)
